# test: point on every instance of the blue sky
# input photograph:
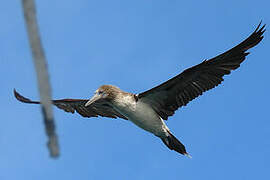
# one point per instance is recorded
(135, 45)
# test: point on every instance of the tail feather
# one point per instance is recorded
(174, 144)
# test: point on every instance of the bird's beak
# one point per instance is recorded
(92, 100)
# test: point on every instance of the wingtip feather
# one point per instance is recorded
(23, 99)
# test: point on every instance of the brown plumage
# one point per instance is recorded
(148, 109)
(181, 89)
(78, 105)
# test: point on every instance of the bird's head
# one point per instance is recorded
(104, 93)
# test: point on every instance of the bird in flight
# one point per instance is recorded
(149, 109)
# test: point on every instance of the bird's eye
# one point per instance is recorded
(100, 92)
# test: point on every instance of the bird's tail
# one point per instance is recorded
(174, 144)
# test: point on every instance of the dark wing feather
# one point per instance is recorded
(77, 105)
(181, 89)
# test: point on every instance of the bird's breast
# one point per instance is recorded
(142, 115)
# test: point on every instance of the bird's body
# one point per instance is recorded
(149, 109)
(140, 113)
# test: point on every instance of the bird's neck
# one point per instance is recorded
(124, 102)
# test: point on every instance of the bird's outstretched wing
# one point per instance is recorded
(181, 89)
(77, 105)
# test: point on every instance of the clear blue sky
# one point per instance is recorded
(135, 45)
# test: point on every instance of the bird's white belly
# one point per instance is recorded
(145, 117)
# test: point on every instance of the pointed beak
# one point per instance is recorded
(92, 100)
